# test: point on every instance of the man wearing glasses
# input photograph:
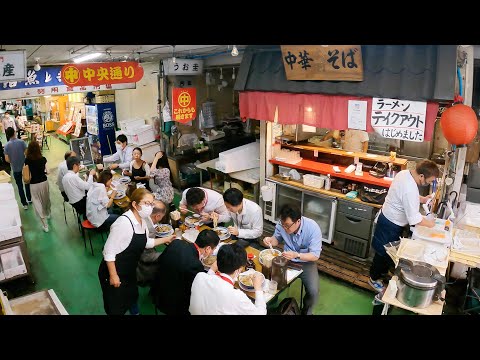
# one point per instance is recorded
(401, 208)
(303, 243)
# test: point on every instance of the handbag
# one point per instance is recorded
(26, 175)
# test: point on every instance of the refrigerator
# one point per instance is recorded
(101, 122)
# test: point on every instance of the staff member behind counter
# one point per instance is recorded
(401, 207)
(123, 154)
(355, 140)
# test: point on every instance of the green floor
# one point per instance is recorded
(59, 261)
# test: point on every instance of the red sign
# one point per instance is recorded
(101, 73)
(184, 107)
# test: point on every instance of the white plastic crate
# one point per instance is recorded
(313, 181)
(240, 158)
(8, 209)
(6, 192)
(9, 227)
(12, 262)
(141, 136)
(131, 124)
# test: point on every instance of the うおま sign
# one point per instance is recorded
(184, 101)
(399, 119)
(101, 73)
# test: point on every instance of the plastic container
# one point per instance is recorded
(141, 135)
(314, 181)
(432, 234)
(131, 124)
(328, 182)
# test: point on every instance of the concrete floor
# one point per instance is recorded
(59, 261)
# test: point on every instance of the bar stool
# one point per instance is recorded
(87, 226)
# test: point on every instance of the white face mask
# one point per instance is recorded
(146, 211)
(118, 146)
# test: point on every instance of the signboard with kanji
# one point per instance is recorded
(184, 104)
(183, 66)
(323, 62)
(399, 119)
(101, 73)
(48, 81)
(13, 66)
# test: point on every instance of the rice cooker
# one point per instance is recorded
(419, 283)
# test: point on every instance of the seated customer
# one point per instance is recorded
(139, 170)
(178, 265)
(98, 202)
(123, 156)
(62, 170)
(246, 215)
(303, 243)
(161, 183)
(208, 203)
(214, 294)
(75, 187)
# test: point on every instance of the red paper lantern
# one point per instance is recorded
(459, 124)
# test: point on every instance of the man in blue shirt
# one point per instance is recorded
(15, 155)
(302, 240)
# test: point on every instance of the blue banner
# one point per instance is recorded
(46, 76)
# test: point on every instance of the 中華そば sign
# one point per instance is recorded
(323, 62)
(399, 119)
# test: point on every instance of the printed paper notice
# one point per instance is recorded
(357, 115)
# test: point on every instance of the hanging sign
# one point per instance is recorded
(183, 66)
(323, 62)
(48, 81)
(13, 65)
(184, 104)
(101, 73)
(399, 119)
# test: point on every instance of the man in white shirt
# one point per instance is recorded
(401, 208)
(7, 122)
(123, 154)
(75, 187)
(213, 293)
(62, 170)
(246, 215)
(356, 140)
(208, 203)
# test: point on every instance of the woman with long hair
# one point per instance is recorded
(139, 170)
(37, 164)
(125, 244)
(162, 178)
(99, 203)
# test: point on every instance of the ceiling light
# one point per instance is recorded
(174, 59)
(221, 74)
(37, 66)
(233, 74)
(86, 57)
(234, 50)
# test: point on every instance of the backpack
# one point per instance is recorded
(288, 306)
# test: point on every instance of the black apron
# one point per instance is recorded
(117, 301)
(139, 172)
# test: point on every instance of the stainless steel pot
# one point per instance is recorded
(419, 283)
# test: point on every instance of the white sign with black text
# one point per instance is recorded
(399, 119)
(357, 115)
(13, 65)
(183, 66)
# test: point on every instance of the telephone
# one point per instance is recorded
(379, 170)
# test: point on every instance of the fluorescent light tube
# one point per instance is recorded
(86, 57)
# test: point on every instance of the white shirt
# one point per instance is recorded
(124, 155)
(10, 122)
(75, 187)
(62, 170)
(402, 203)
(145, 166)
(214, 203)
(250, 221)
(354, 139)
(121, 234)
(97, 201)
(211, 295)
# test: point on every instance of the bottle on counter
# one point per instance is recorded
(328, 182)
(250, 263)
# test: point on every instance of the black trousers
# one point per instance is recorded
(380, 266)
(81, 207)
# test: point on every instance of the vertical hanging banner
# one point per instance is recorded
(101, 73)
(399, 119)
(184, 104)
(13, 66)
(323, 62)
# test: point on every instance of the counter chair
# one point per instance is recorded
(86, 227)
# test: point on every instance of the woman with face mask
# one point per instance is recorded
(123, 248)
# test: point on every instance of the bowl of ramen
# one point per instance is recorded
(209, 260)
(192, 221)
(245, 280)
(268, 255)
(163, 228)
(222, 232)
